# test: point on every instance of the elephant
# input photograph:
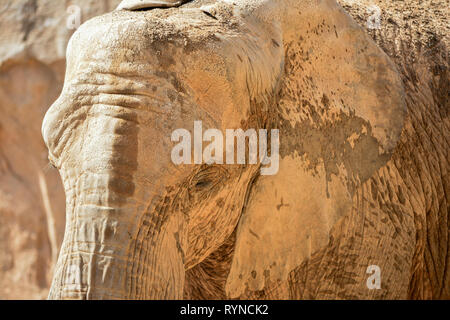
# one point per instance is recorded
(352, 191)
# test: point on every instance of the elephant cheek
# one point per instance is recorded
(295, 222)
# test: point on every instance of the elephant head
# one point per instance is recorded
(135, 220)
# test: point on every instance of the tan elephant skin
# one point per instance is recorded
(363, 156)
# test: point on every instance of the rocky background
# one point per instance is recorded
(33, 39)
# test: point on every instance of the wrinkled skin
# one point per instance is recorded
(400, 217)
(139, 227)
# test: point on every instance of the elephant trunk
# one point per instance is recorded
(119, 243)
(114, 252)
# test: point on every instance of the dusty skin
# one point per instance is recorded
(364, 154)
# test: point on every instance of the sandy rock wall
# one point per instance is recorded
(33, 39)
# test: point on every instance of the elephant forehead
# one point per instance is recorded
(130, 36)
(221, 65)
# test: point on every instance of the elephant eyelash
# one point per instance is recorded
(209, 14)
(202, 184)
(208, 177)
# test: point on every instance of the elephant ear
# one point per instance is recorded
(340, 113)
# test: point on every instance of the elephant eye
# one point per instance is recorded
(208, 178)
(202, 184)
